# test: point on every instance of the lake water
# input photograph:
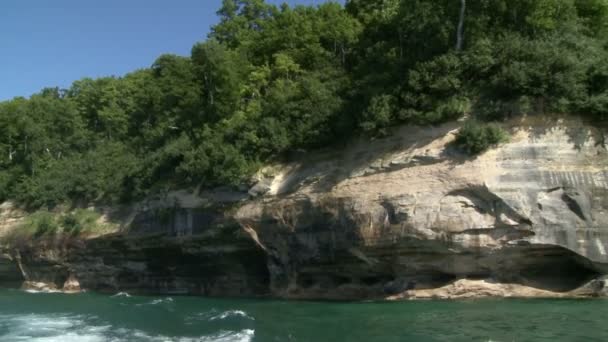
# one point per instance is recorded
(92, 317)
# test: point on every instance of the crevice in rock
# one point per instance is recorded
(574, 205)
(486, 202)
(504, 233)
(393, 216)
(575, 200)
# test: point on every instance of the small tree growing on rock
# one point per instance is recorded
(475, 137)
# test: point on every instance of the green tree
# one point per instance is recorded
(273, 80)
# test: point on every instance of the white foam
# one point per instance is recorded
(231, 313)
(42, 328)
(222, 336)
(161, 301)
(241, 336)
(122, 294)
(70, 337)
(167, 300)
(39, 328)
(216, 315)
(45, 291)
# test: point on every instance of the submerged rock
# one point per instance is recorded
(35, 286)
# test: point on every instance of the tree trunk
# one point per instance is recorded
(460, 33)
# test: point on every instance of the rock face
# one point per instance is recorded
(408, 216)
(209, 264)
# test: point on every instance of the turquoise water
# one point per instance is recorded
(92, 317)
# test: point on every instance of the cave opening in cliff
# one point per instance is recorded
(11, 274)
(551, 268)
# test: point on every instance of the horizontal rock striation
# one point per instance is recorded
(408, 216)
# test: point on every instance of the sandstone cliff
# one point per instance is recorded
(408, 216)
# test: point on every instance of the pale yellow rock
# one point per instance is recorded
(71, 285)
(466, 289)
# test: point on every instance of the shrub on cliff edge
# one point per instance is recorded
(475, 137)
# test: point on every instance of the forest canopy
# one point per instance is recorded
(270, 80)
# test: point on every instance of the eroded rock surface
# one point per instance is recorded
(408, 216)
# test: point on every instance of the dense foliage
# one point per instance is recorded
(45, 224)
(475, 137)
(270, 80)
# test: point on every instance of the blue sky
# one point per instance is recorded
(48, 43)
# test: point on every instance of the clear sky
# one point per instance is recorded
(48, 43)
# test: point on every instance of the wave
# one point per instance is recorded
(231, 313)
(45, 291)
(39, 328)
(167, 300)
(161, 301)
(241, 336)
(42, 328)
(121, 294)
(245, 335)
(216, 315)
